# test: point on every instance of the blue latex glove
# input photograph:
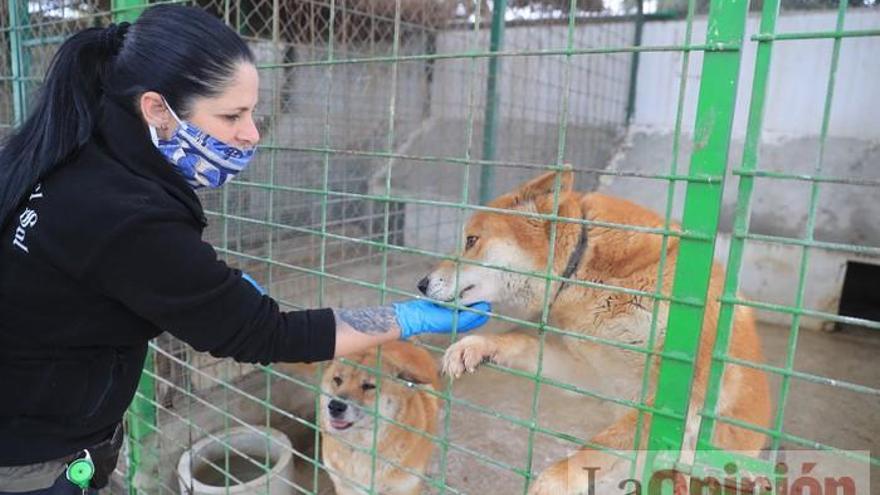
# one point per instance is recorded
(253, 282)
(418, 316)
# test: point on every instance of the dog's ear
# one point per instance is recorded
(418, 368)
(409, 377)
(411, 363)
(541, 185)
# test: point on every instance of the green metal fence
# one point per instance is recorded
(384, 125)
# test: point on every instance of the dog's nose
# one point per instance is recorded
(423, 286)
(337, 408)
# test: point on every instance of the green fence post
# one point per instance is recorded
(17, 23)
(127, 10)
(490, 120)
(141, 420)
(712, 129)
(741, 220)
(634, 66)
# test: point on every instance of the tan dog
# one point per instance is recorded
(614, 257)
(347, 406)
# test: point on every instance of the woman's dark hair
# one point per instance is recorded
(179, 52)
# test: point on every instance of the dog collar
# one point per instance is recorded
(574, 260)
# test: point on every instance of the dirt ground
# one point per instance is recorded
(491, 450)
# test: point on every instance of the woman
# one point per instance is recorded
(101, 242)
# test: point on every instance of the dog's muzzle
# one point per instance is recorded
(338, 417)
(337, 408)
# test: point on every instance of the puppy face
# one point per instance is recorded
(350, 397)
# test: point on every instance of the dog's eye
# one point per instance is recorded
(367, 386)
(471, 241)
(337, 381)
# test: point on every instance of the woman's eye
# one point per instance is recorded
(337, 381)
(471, 241)
(232, 118)
(367, 386)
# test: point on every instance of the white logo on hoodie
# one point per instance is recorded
(26, 220)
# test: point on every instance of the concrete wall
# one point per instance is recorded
(790, 143)
(798, 77)
(532, 88)
(532, 92)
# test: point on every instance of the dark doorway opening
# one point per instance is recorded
(860, 297)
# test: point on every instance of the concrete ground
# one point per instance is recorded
(490, 448)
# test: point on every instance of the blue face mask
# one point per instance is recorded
(203, 160)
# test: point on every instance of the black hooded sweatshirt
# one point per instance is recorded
(105, 254)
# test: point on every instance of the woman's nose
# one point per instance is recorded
(249, 135)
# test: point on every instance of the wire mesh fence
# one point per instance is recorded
(386, 124)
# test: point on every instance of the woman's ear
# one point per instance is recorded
(155, 112)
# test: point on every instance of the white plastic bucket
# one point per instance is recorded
(198, 477)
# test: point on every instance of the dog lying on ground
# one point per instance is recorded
(613, 257)
(347, 416)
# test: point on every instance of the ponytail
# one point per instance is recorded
(64, 115)
(182, 53)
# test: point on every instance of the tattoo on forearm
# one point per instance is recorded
(371, 321)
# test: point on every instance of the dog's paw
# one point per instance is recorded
(467, 354)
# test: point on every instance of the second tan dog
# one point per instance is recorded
(348, 400)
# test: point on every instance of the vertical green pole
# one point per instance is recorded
(670, 201)
(277, 81)
(634, 67)
(741, 220)
(127, 10)
(714, 120)
(17, 21)
(490, 120)
(141, 419)
(142, 411)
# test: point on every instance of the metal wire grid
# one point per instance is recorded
(322, 195)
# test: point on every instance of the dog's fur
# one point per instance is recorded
(614, 257)
(405, 403)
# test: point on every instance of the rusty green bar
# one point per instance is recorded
(712, 132)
